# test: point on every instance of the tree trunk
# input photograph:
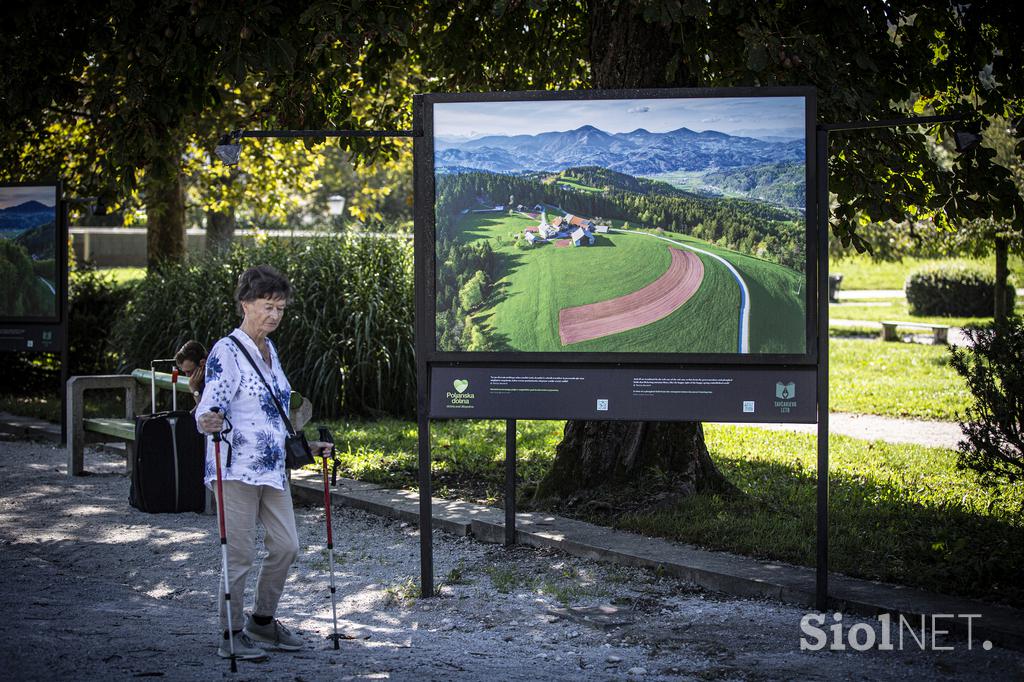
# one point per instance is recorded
(165, 212)
(220, 230)
(597, 457)
(1002, 275)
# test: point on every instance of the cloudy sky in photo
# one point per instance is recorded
(12, 196)
(732, 115)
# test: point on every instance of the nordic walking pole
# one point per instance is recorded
(325, 436)
(224, 547)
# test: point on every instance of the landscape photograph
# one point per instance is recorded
(659, 225)
(28, 250)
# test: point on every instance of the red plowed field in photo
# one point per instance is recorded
(647, 305)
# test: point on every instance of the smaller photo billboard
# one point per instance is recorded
(29, 253)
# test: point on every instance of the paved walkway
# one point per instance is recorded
(95, 590)
(888, 429)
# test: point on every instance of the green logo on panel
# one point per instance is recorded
(785, 391)
(785, 396)
(460, 397)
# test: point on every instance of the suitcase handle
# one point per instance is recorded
(174, 389)
(152, 383)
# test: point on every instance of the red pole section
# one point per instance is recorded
(327, 508)
(220, 490)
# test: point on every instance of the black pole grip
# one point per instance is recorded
(327, 437)
(216, 434)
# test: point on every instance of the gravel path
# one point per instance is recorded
(95, 590)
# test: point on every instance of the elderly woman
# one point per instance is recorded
(255, 486)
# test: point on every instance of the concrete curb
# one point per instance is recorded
(717, 571)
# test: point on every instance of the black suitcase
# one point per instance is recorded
(169, 464)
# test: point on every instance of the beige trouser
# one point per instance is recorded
(243, 504)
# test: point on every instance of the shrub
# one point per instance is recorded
(993, 365)
(96, 302)
(347, 339)
(953, 290)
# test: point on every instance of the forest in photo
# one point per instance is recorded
(28, 251)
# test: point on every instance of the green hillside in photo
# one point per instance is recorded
(23, 292)
(533, 284)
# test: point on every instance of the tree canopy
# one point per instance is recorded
(125, 86)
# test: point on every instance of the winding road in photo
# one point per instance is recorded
(654, 301)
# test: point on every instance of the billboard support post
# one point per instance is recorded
(821, 175)
(65, 335)
(821, 544)
(510, 482)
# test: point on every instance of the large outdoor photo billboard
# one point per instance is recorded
(675, 224)
(29, 253)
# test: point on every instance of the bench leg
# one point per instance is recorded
(889, 333)
(75, 433)
(76, 453)
(211, 502)
(941, 337)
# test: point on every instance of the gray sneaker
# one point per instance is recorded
(245, 648)
(273, 633)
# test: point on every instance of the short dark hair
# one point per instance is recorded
(192, 350)
(262, 281)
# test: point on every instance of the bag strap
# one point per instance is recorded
(284, 415)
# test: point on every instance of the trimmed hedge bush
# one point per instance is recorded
(954, 291)
(347, 338)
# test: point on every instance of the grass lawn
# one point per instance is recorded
(122, 275)
(860, 272)
(899, 512)
(868, 376)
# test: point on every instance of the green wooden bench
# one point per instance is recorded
(137, 399)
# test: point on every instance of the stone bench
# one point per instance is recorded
(940, 332)
(137, 392)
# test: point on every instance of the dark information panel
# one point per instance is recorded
(716, 395)
(32, 338)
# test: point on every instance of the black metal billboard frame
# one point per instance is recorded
(15, 329)
(427, 356)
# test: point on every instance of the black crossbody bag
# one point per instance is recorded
(296, 448)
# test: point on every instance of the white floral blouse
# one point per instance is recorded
(258, 432)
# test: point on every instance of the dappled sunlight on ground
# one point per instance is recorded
(133, 594)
